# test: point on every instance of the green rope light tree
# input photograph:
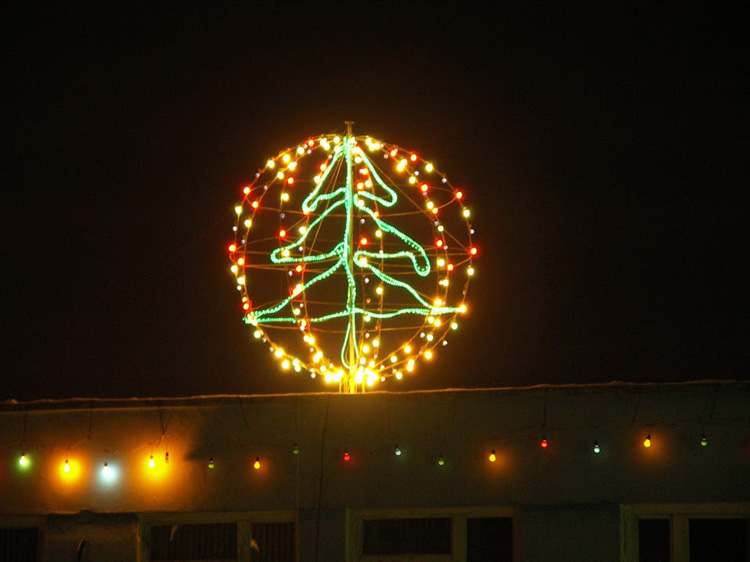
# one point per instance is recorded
(367, 263)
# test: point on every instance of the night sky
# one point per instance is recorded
(602, 153)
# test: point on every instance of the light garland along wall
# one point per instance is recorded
(629, 444)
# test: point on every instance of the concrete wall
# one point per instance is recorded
(565, 493)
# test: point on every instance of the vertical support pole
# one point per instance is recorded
(350, 383)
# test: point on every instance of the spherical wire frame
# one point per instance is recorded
(362, 249)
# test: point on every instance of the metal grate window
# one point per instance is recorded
(719, 539)
(19, 544)
(654, 540)
(273, 542)
(407, 536)
(489, 539)
(194, 542)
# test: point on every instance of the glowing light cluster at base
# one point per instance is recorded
(374, 247)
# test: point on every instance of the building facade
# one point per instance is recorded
(535, 474)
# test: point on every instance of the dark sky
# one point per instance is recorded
(604, 152)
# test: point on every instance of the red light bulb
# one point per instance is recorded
(347, 457)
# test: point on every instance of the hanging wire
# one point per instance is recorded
(320, 481)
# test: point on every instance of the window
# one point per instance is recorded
(242, 537)
(719, 539)
(217, 541)
(439, 534)
(489, 539)
(425, 535)
(19, 544)
(273, 542)
(686, 532)
(653, 540)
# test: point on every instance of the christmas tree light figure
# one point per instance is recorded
(343, 240)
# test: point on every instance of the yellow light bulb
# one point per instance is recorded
(256, 464)
(270, 164)
(151, 462)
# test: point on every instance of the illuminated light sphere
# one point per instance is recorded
(543, 443)
(704, 440)
(347, 456)
(151, 462)
(647, 441)
(493, 456)
(211, 462)
(23, 460)
(109, 474)
(295, 449)
(597, 448)
(397, 451)
(66, 466)
(256, 464)
(441, 460)
(338, 233)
